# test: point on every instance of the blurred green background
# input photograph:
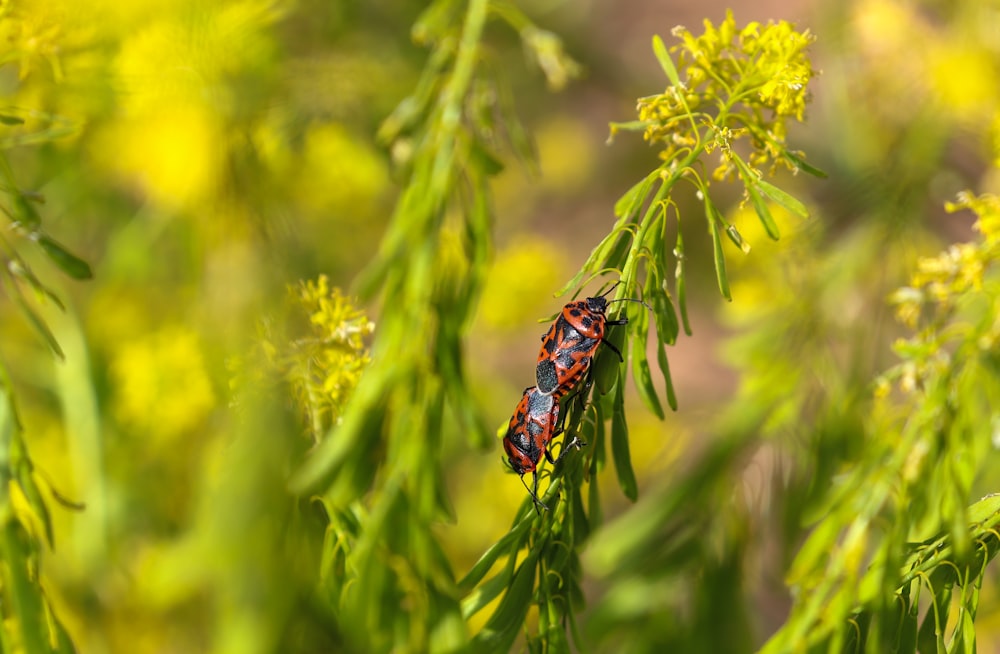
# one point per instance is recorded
(221, 152)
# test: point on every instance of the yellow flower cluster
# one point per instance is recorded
(323, 365)
(942, 280)
(731, 78)
(938, 301)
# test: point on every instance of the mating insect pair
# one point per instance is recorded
(568, 348)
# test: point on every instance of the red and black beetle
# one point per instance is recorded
(569, 346)
(531, 430)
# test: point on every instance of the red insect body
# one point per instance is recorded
(569, 346)
(531, 430)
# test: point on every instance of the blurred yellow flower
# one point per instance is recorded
(174, 155)
(161, 384)
(567, 154)
(520, 283)
(965, 81)
(341, 172)
(176, 77)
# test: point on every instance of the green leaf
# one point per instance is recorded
(783, 198)
(26, 608)
(661, 356)
(985, 508)
(599, 444)
(581, 525)
(612, 247)
(802, 165)
(640, 368)
(362, 423)
(69, 263)
(595, 511)
(633, 199)
(644, 383)
(930, 638)
(617, 255)
(667, 327)
(909, 624)
(681, 283)
(504, 625)
(485, 160)
(509, 544)
(485, 593)
(718, 254)
(606, 363)
(27, 484)
(763, 213)
(620, 447)
(24, 211)
(666, 63)
(42, 329)
(964, 640)
(7, 119)
(21, 272)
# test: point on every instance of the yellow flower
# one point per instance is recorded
(162, 388)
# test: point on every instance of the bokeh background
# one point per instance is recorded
(220, 152)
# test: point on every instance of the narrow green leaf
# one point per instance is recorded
(640, 367)
(362, 423)
(59, 635)
(620, 446)
(667, 327)
(599, 446)
(606, 363)
(485, 593)
(644, 383)
(509, 544)
(504, 625)
(581, 525)
(720, 258)
(42, 329)
(985, 508)
(633, 199)
(595, 511)
(611, 248)
(964, 640)
(69, 263)
(578, 276)
(784, 199)
(661, 356)
(7, 119)
(480, 155)
(910, 622)
(30, 489)
(17, 269)
(24, 211)
(802, 165)
(24, 595)
(681, 283)
(930, 638)
(818, 544)
(616, 256)
(666, 62)
(763, 213)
